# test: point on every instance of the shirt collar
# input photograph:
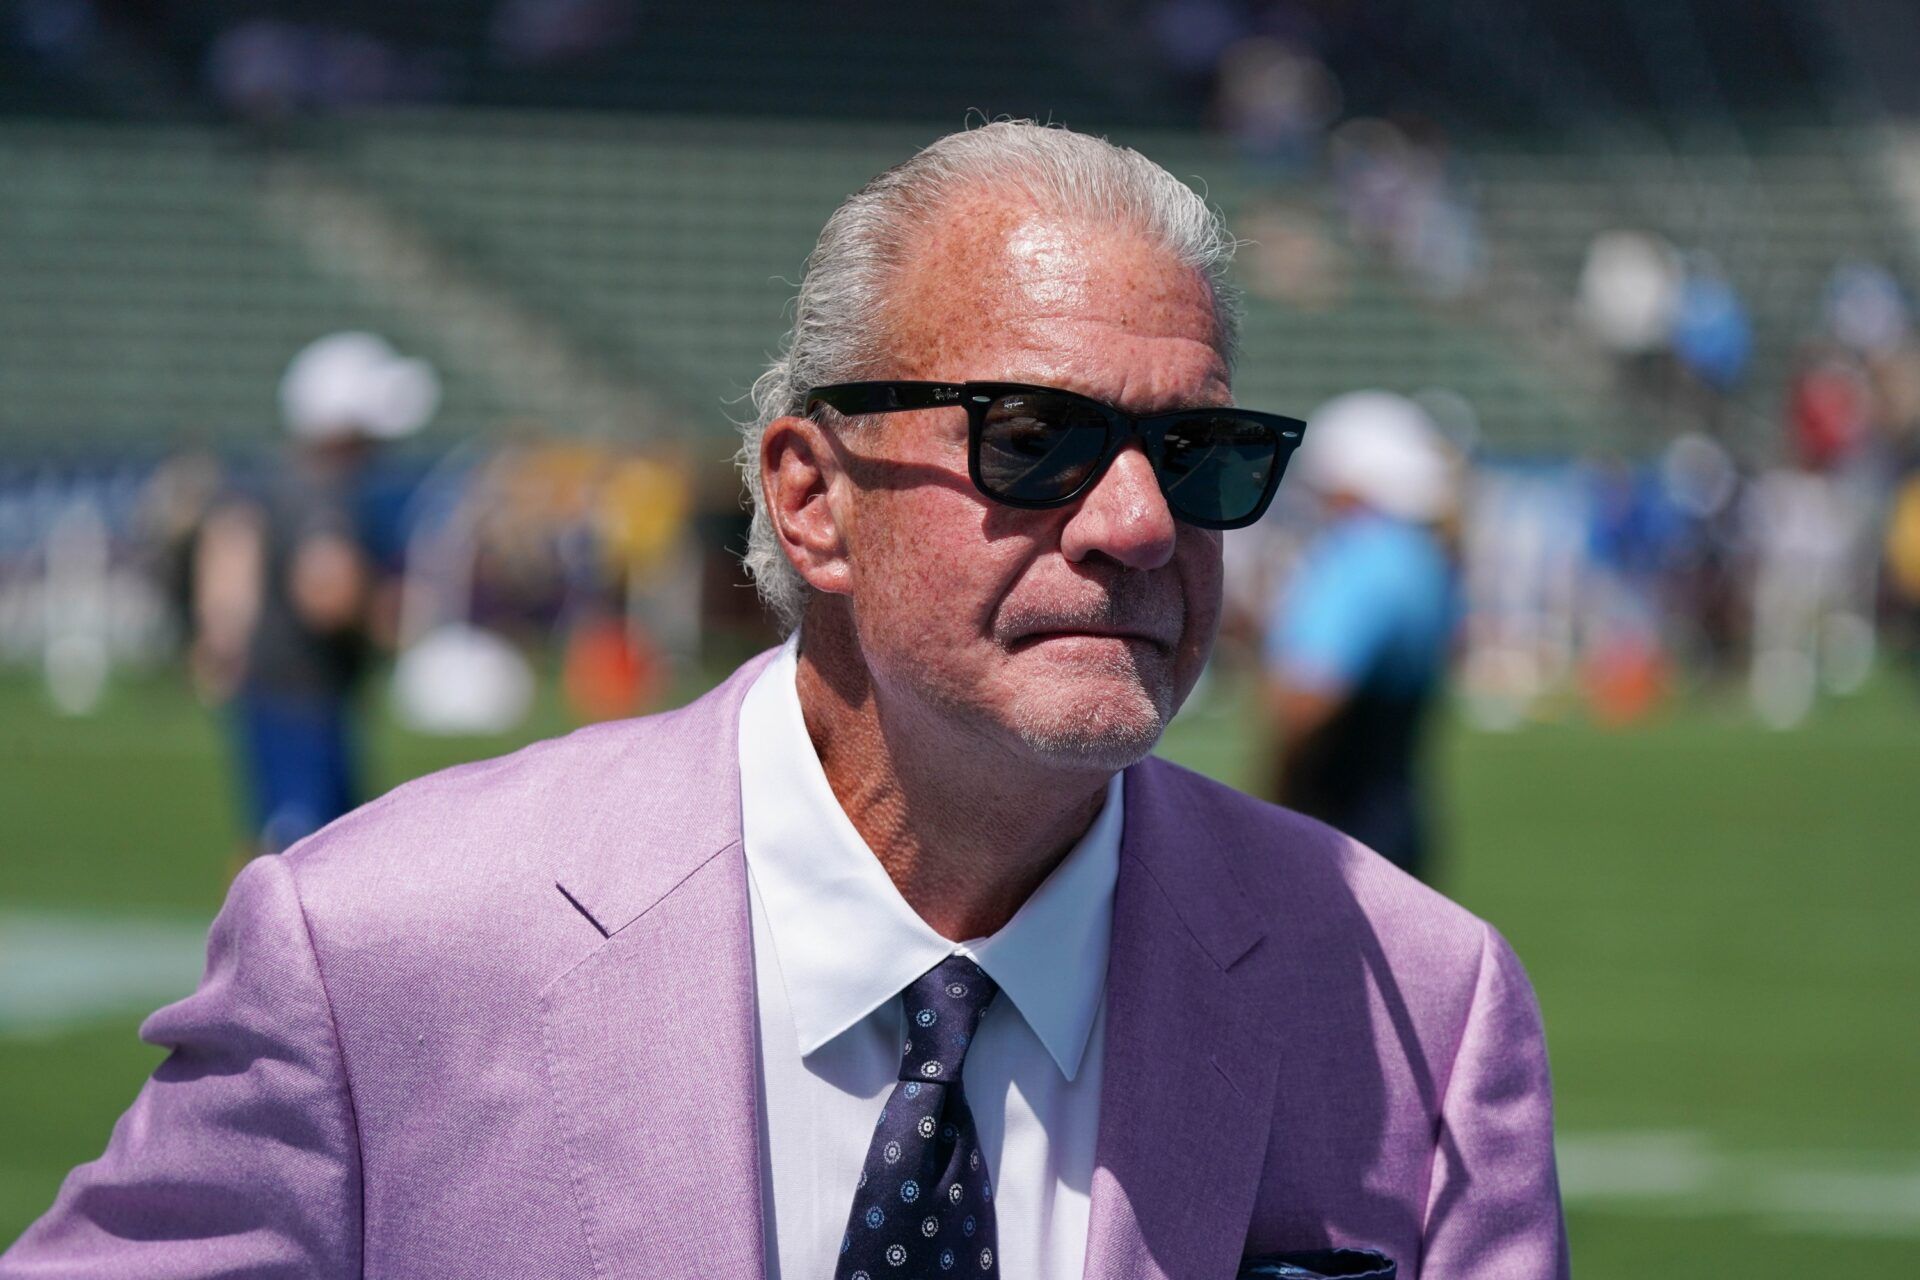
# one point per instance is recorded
(845, 940)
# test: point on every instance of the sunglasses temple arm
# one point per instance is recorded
(856, 398)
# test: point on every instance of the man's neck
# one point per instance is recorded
(964, 831)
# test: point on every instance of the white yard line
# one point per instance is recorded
(60, 969)
(1684, 1174)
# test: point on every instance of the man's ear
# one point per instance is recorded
(799, 478)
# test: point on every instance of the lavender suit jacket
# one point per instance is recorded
(501, 1023)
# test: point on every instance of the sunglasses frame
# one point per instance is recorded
(858, 399)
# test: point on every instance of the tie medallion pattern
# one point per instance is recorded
(924, 1206)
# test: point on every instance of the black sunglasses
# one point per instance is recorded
(1038, 447)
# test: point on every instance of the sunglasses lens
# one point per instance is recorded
(1036, 447)
(1214, 469)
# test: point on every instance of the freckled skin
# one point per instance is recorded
(966, 736)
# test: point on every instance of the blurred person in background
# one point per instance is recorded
(1402, 198)
(1829, 408)
(1627, 298)
(1712, 341)
(1615, 618)
(1902, 549)
(1358, 644)
(1819, 522)
(175, 503)
(1275, 99)
(290, 599)
(1704, 559)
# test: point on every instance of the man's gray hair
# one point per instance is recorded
(839, 324)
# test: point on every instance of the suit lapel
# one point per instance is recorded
(651, 1040)
(652, 1057)
(1190, 1068)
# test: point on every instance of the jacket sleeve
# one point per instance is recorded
(1493, 1202)
(240, 1156)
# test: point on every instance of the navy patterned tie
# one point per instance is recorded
(924, 1206)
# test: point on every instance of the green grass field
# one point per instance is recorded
(1723, 925)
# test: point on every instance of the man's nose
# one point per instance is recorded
(1124, 516)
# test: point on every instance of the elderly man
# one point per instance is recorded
(895, 955)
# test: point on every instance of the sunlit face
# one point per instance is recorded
(1069, 636)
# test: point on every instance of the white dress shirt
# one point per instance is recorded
(834, 945)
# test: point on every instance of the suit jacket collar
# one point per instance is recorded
(652, 1048)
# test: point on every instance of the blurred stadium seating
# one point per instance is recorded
(155, 285)
(158, 274)
(149, 303)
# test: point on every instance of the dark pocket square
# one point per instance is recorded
(1319, 1264)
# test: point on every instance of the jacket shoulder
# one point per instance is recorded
(453, 847)
(1300, 873)
(483, 811)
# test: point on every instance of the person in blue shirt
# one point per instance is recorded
(1357, 646)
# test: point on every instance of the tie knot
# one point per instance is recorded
(944, 1006)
